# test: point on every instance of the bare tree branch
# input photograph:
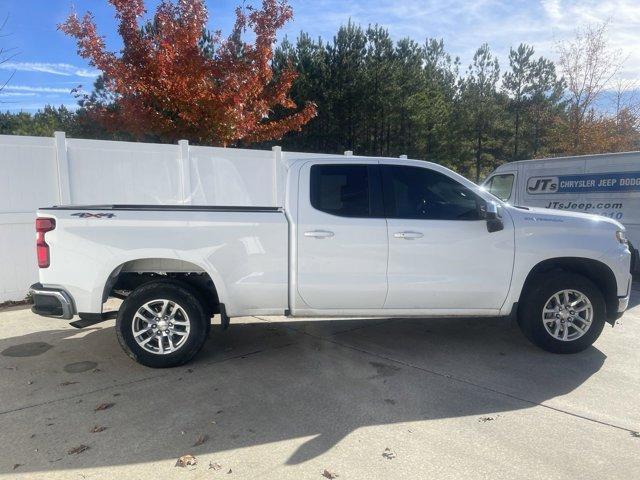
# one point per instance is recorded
(588, 65)
(6, 54)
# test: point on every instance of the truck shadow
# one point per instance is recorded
(309, 382)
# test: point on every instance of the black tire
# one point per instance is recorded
(540, 291)
(175, 292)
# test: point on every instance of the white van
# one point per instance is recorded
(605, 184)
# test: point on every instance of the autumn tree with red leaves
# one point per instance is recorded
(166, 85)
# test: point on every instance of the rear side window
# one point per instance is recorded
(346, 190)
(421, 193)
(501, 186)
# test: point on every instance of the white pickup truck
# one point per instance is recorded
(355, 236)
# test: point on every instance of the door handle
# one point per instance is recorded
(319, 234)
(408, 235)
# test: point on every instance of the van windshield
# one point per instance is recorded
(500, 186)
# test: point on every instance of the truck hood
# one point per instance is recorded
(551, 215)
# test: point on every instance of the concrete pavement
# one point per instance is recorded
(276, 398)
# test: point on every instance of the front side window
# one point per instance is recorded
(501, 186)
(421, 193)
(345, 190)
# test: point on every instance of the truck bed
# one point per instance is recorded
(243, 249)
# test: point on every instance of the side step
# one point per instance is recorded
(88, 319)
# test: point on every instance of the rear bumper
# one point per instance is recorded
(51, 302)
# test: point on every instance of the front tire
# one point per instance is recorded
(161, 324)
(562, 314)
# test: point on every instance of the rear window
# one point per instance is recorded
(343, 190)
(501, 186)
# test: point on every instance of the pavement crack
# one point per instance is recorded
(454, 378)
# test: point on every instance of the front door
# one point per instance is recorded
(341, 237)
(441, 255)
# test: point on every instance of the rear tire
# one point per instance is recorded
(562, 312)
(162, 324)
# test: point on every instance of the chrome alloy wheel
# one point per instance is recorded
(567, 315)
(160, 326)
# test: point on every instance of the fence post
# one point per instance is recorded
(277, 160)
(62, 166)
(403, 156)
(185, 171)
(348, 153)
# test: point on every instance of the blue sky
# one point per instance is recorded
(45, 65)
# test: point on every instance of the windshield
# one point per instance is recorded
(500, 186)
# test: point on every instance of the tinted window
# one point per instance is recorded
(413, 192)
(346, 190)
(500, 186)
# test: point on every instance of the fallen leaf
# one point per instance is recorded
(186, 461)
(79, 449)
(66, 384)
(215, 466)
(16, 465)
(389, 454)
(200, 440)
(103, 406)
(98, 429)
(327, 474)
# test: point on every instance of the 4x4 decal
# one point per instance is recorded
(93, 215)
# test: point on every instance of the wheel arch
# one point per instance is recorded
(596, 271)
(133, 273)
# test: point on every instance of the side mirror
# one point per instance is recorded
(492, 216)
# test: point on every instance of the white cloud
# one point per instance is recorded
(64, 69)
(4, 93)
(24, 88)
(552, 8)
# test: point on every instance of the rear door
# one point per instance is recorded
(341, 235)
(441, 255)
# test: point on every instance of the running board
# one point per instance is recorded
(88, 319)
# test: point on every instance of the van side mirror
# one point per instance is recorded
(491, 213)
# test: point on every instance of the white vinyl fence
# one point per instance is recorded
(38, 172)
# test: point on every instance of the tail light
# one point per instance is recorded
(43, 225)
